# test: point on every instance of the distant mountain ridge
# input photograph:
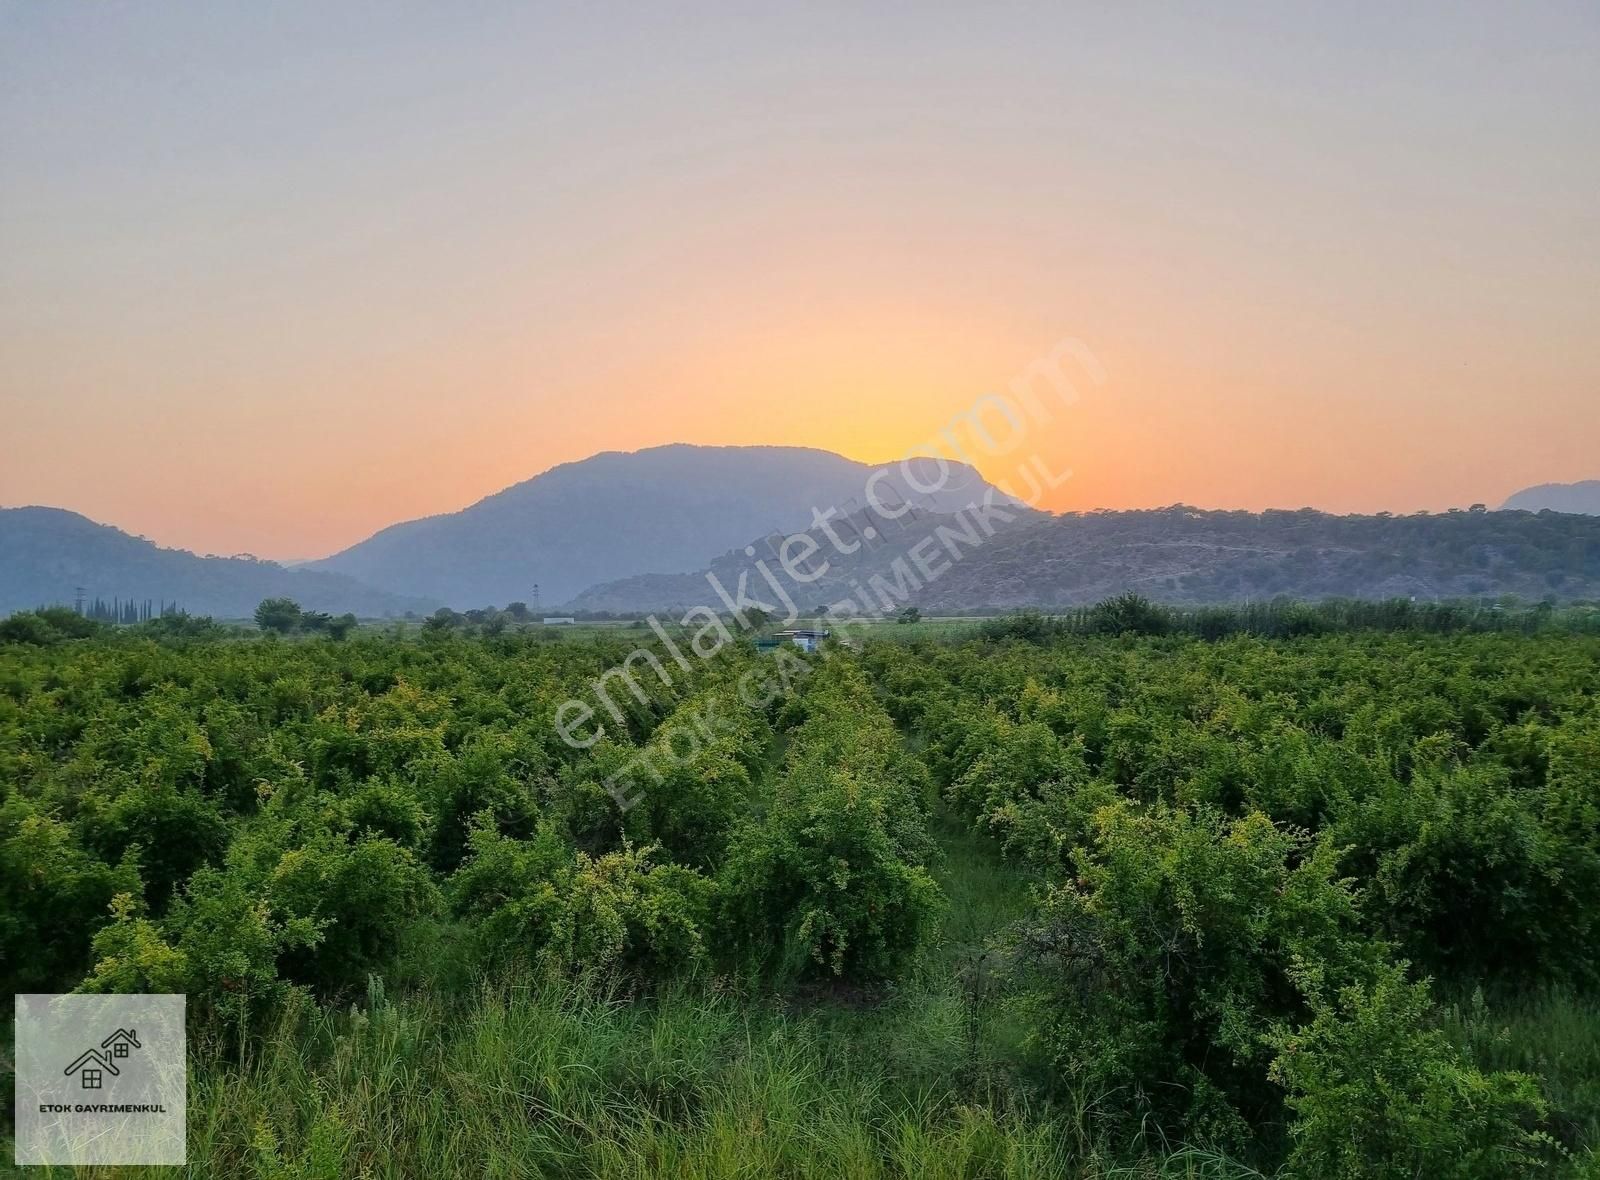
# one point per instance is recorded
(639, 531)
(1177, 555)
(1583, 497)
(619, 514)
(47, 553)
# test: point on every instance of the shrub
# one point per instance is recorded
(689, 807)
(481, 777)
(175, 832)
(542, 902)
(836, 866)
(1378, 1093)
(53, 896)
(1479, 879)
(824, 876)
(130, 955)
(361, 897)
(231, 941)
(1017, 762)
(1156, 969)
(390, 810)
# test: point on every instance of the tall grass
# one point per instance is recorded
(1552, 1034)
(578, 1082)
(539, 1080)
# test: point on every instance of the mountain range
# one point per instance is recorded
(632, 532)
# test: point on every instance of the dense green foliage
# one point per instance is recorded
(1254, 853)
(1053, 899)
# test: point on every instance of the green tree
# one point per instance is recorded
(281, 615)
(339, 628)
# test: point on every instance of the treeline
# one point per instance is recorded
(284, 616)
(1282, 618)
(50, 625)
(487, 620)
(128, 611)
(118, 612)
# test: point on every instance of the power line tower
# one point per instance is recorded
(534, 605)
(80, 592)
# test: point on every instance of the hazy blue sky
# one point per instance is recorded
(272, 276)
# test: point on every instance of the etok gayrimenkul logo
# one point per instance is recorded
(114, 1096)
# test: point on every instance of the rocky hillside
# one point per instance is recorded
(1178, 554)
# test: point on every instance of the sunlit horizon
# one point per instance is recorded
(274, 280)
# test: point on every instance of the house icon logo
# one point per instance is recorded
(92, 1065)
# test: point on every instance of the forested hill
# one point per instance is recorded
(46, 554)
(1188, 555)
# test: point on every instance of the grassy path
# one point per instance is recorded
(985, 893)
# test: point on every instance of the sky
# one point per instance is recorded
(275, 276)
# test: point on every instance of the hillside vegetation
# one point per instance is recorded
(1118, 895)
(1175, 555)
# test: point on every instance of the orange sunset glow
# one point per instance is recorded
(273, 281)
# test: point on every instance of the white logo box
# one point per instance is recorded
(100, 1079)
